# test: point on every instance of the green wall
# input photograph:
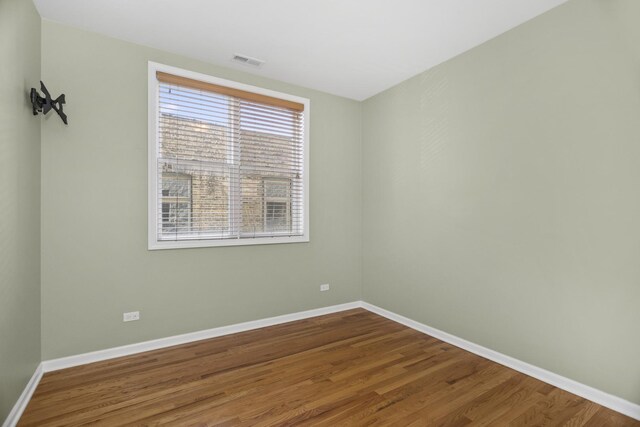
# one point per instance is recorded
(19, 200)
(95, 262)
(494, 197)
(501, 195)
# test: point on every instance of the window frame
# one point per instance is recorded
(154, 242)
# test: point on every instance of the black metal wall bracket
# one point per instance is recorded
(46, 104)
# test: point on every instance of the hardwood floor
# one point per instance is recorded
(349, 368)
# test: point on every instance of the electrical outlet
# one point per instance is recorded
(324, 287)
(131, 316)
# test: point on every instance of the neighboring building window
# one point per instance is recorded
(228, 163)
(176, 203)
(277, 205)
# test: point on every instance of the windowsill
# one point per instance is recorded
(200, 243)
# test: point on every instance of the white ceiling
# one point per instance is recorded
(353, 48)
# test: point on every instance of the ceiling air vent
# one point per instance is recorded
(247, 60)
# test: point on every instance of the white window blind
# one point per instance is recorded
(229, 165)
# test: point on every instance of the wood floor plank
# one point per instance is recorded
(343, 369)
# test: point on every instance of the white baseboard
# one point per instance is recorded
(126, 350)
(600, 397)
(15, 414)
(605, 399)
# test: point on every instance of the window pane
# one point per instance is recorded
(193, 125)
(193, 104)
(195, 200)
(269, 152)
(252, 204)
(211, 202)
(258, 119)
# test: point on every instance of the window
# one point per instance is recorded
(176, 203)
(228, 163)
(277, 205)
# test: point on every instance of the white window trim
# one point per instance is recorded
(152, 189)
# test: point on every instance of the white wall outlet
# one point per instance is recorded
(131, 316)
(324, 287)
